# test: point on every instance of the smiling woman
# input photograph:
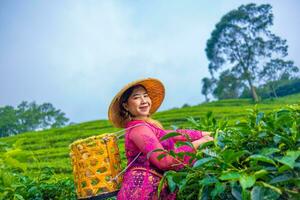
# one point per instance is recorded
(132, 108)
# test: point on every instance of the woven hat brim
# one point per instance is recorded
(156, 92)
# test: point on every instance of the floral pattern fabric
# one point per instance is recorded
(141, 179)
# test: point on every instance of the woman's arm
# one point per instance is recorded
(146, 140)
(193, 134)
(204, 139)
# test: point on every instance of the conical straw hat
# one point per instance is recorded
(156, 92)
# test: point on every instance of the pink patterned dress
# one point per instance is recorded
(141, 179)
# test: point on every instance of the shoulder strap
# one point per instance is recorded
(123, 133)
(120, 135)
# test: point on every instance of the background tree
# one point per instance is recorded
(228, 86)
(242, 43)
(8, 121)
(29, 117)
(207, 85)
(277, 70)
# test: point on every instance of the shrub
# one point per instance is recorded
(257, 158)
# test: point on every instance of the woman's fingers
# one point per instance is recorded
(206, 139)
(204, 133)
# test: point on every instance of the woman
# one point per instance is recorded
(132, 108)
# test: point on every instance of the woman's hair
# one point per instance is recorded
(126, 115)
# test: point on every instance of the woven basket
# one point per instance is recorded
(96, 162)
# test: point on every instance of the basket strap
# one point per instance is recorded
(120, 135)
(117, 176)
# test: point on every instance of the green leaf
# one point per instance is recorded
(155, 150)
(264, 184)
(183, 143)
(171, 183)
(245, 194)
(262, 158)
(202, 161)
(231, 155)
(203, 193)
(169, 135)
(208, 180)
(269, 151)
(18, 197)
(290, 158)
(219, 188)
(161, 156)
(236, 193)
(160, 185)
(260, 115)
(257, 193)
(206, 144)
(281, 178)
(247, 181)
(230, 176)
(260, 173)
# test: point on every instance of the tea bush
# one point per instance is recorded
(17, 186)
(256, 158)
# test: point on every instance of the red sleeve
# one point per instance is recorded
(193, 134)
(146, 140)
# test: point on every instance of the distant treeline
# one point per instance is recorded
(29, 117)
(282, 88)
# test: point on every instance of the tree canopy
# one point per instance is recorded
(243, 45)
(29, 117)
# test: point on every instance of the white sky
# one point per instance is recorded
(78, 54)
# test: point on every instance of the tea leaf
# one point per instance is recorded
(202, 161)
(257, 193)
(230, 176)
(183, 143)
(230, 155)
(269, 151)
(160, 185)
(270, 186)
(169, 135)
(290, 158)
(208, 180)
(261, 158)
(247, 181)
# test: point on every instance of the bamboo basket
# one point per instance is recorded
(96, 163)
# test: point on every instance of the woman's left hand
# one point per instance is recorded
(205, 133)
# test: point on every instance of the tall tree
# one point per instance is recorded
(243, 43)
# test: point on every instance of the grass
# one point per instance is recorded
(50, 148)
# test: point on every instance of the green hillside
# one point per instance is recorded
(50, 148)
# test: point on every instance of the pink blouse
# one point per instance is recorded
(146, 138)
(141, 179)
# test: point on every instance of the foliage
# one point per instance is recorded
(49, 148)
(243, 43)
(278, 88)
(275, 70)
(16, 185)
(228, 87)
(257, 158)
(29, 117)
(206, 87)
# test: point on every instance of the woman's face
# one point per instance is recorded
(139, 103)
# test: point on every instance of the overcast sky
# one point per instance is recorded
(78, 54)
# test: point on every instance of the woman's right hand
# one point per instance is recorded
(202, 140)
